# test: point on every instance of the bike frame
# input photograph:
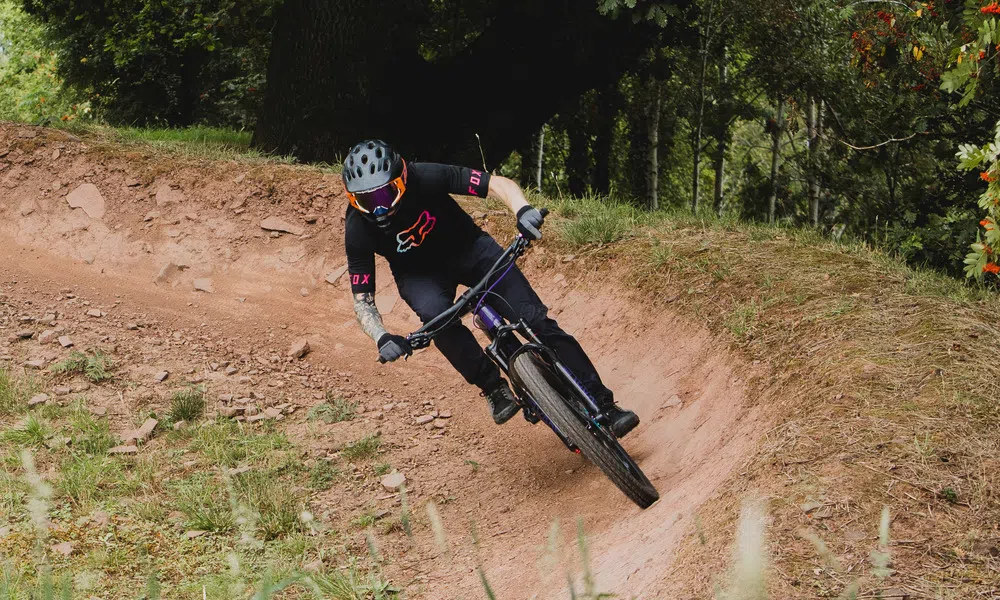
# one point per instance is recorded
(510, 340)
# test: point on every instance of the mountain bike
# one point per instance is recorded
(544, 387)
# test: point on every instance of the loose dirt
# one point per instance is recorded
(190, 283)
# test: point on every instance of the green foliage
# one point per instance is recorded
(94, 366)
(322, 475)
(168, 62)
(336, 412)
(30, 87)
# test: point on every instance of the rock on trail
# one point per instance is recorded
(299, 349)
(204, 284)
(88, 198)
(276, 224)
(393, 482)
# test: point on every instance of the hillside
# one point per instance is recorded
(766, 363)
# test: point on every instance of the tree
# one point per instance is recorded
(343, 71)
(146, 61)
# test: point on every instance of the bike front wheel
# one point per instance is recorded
(595, 442)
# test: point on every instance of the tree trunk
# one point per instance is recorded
(778, 129)
(653, 109)
(811, 141)
(696, 141)
(722, 134)
(541, 156)
(607, 108)
(326, 90)
(816, 189)
(578, 160)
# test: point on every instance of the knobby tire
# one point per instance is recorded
(598, 446)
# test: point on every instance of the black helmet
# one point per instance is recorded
(375, 178)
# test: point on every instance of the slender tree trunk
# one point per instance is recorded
(817, 190)
(607, 105)
(779, 128)
(541, 155)
(653, 108)
(700, 122)
(722, 135)
(578, 160)
(812, 116)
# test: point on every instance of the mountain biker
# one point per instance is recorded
(403, 212)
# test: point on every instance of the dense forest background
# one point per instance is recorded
(864, 118)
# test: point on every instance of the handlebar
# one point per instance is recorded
(421, 338)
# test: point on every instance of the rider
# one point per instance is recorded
(403, 211)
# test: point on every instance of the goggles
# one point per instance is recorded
(380, 201)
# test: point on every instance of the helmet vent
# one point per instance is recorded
(364, 159)
(371, 145)
(360, 172)
(378, 153)
(385, 164)
(373, 169)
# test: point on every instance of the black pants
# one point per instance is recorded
(432, 290)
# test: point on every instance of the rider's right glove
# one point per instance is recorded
(529, 222)
(393, 347)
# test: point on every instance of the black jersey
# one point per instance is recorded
(428, 229)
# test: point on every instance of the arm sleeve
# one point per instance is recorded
(360, 261)
(450, 179)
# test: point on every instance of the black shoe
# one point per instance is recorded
(622, 421)
(502, 403)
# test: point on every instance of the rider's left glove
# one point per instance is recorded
(393, 347)
(529, 222)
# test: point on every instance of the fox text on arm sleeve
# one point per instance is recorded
(452, 179)
(360, 263)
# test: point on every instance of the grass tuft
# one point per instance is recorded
(187, 405)
(365, 448)
(13, 394)
(31, 432)
(276, 506)
(336, 412)
(96, 366)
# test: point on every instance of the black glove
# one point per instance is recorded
(529, 222)
(393, 347)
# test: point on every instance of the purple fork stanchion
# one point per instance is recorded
(487, 316)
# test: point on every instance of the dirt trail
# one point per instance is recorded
(512, 482)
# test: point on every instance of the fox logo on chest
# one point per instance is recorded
(416, 234)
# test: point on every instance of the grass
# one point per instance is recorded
(226, 443)
(90, 436)
(597, 221)
(13, 393)
(362, 449)
(187, 405)
(205, 504)
(276, 506)
(31, 432)
(210, 143)
(94, 366)
(337, 411)
(322, 475)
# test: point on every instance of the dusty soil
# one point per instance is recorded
(267, 291)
